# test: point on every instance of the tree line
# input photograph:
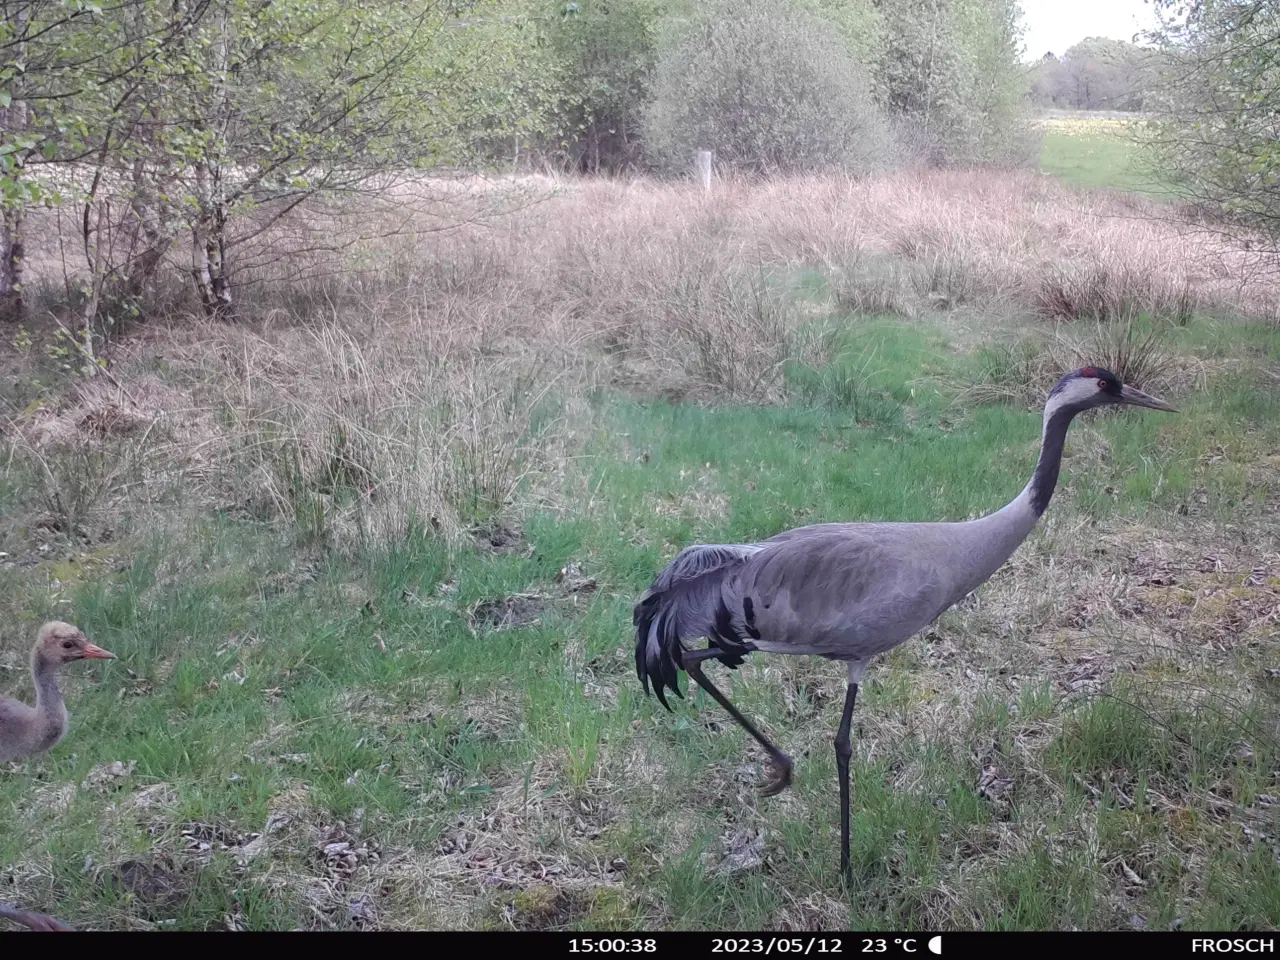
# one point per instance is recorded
(180, 130)
(1096, 74)
(175, 135)
(1206, 80)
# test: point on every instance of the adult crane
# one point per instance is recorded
(844, 591)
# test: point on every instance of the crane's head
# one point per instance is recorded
(1091, 387)
(60, 643)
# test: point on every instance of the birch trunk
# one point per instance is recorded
(208, 231)
(13, 121)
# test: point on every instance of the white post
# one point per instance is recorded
(702, 165)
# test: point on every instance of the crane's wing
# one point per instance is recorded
(15, 720)
(682, 603)
(843, 591)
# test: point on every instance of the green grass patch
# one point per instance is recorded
(1105, 160)
(456, 738)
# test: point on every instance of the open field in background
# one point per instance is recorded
(369, 561)
(1096, 151)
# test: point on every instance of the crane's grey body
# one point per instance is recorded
(844, 591)
(32, 921)
(27, 730)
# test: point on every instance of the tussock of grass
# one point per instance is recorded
(1019, 369)
(426, 385)
(1098, 291)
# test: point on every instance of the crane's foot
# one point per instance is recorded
(781, 762)
(781, 776)
(31, 920)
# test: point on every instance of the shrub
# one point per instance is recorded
(606, 51)
(949, 74)
(766, 86)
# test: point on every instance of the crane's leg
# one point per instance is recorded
(782, 780)
(844, 750)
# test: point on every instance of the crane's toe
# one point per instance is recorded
(44, 923)
(781, 779)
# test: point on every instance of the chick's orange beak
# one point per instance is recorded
(94, 652)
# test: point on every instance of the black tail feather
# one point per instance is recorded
(661, 665)
(668, 615)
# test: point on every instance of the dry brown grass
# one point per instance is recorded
(433, 374)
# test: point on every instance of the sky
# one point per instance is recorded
(1058, 24)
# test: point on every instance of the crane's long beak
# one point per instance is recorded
(1135, 396)
(94, 652)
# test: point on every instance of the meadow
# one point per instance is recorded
(368, 560)
(1097, 152)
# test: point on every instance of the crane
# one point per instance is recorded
(844, 591)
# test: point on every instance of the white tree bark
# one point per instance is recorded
(13, 120)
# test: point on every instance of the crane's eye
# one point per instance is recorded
(1102, 384)
(67, 644)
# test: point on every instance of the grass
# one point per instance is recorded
(1096, 154)
(370, 584)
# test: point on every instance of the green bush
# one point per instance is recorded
(767, 86)
(1214, 107)
(949, 75)
(606, 52)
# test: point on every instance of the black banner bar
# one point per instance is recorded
(830, 946)
(866, 946)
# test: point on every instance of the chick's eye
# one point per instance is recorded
(67, 644)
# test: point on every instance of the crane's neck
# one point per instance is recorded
(982, 546)
(1057, 418)
(1000, 533)
(49, 702)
